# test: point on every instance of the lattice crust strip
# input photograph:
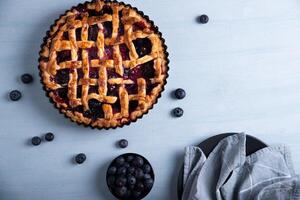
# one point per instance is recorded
(80, 48)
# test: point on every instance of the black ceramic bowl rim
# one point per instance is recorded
(146, 17)
(124, 155)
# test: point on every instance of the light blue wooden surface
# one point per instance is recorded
(241, 73)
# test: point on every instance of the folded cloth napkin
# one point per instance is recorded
(228, 174)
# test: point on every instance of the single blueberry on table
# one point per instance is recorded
(123, 143)
(179, 93)
(203, 19)
(15, 95)
(36, 141)
(178, 112)
(80, 158)
(49, 137)
(26, 78)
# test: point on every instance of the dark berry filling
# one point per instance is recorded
(61, 95)
(93, 89)
(106, 10)
(133, 105)
(116, 107)
(62, 76)
(107, 29)
(65, 36)
(79, 92)
(93, 32)
(62, 56)
(143, 46)
(112, 90)
(78, 34)
(96, 109)
(148, 69)
(139, 26)
(93, 53)
(112, 74)
(131, 88)
(108, 52)
(79, 74)
(135, 73)
(150, 87)
(79, 54)
(124, 52)
(94, 72)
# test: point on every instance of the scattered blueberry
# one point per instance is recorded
(26, 78)
(15, 95)
(120, 161)
(139, 174)
(122, 171)
(148, 183)
(80, 158)
(131, 180)
(178, 112)
(112, 170)
(49, 137)
(136, 194)
(203, 19)
(120, 181)
(126, 165)
(121, 191)
(179, 93)
(36, 141)
(131, 170)
(140, 186)
(147, 176)
(129, 158)
(138, 161)
(147, 168)
(123, 143)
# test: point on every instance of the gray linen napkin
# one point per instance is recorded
(228, 174)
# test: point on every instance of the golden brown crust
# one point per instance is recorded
(56, 43)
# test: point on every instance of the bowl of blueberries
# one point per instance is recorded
(130, 176)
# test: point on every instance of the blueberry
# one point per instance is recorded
(203, 19)
(15, 95)
(36, 141)
(148, 183)
(138, 161)
(131, 170)
(120, 161)
(126, 164)
(111, 180)
(49, 137)
(178, 112)
(179, 93)
(120, 181)
(147, 168)
(136, 194)
(140, 186)
(131, 180)
(121, 191)
(122, 171)
(123, 143)
(147, 176)
(26, 78)
(80, 158)
(129, 158)
(112, 170)
(139, 174)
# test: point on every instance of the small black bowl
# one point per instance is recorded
(132, 189)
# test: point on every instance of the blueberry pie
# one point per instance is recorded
(103, 64)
